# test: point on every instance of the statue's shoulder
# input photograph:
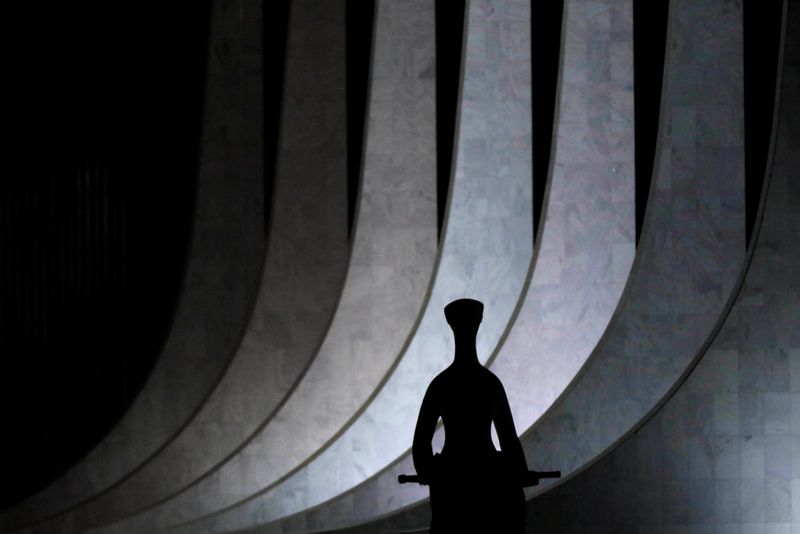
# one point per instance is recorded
(442, 378)
(445, 380)
(492, 379)
(488, 374)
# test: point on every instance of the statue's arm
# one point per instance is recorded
(422, 451)
(507, 433)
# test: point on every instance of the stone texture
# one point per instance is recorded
(689, 257)
(584, 251)
(389, 271)
(751, 362)
(302, 277)
(221, 278)
(485, 254)
(691, 252)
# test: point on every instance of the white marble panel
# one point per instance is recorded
(690, 254)
(587, 244)
(301, 281)
(392, 261)
(749, 359)
(586, 247)
(485, 255)
(221, 278)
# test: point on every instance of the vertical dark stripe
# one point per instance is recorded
(275, 34)
(22, 255)
(359, 21)
(70, 323)
(5, 259)
(36, 278)
(762, 29)
(546, 22)
(56, 256)
(450, 17)
(649, 46)
(18, 263)
(25, 274)
(30, 294)
(94, 270)
(80, 250)
(20, 282)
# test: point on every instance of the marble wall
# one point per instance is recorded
(219, 285)
(583, 254)
(485, 254)
(313, 418)
(389, 271)
(302, 277)
(722, 455)
(690, 253)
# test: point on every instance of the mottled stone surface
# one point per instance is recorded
(584, 253)
(225, 259)
(690, 253)
(722, 455)
(485, 254)
(302, 277)
(587, 245)
(389, 271)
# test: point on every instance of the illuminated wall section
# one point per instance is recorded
(389, 271)
(333, 444)
(221, 278)
(723, 453)
(689, 257)
(690, 254)
(587, 245)
(486, 253)
(585, 249)
(302, 278)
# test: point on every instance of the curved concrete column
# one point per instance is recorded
(683, 277)
(723, 452)
(221, 277)
(486, 253)
(303, 274)
(587, 244)
(584, 252)
(390, 269)
(691, 252)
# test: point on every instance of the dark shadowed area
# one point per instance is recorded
(96, 203)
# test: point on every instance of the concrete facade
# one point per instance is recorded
(689, 258)
(485, 254)
(691, 250)
(722, 454)
(302, 278)
(221, 279)
(665, 386)
(584, 251)
(389, 271)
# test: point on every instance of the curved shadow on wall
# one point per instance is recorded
(674, 255)
(692, 247)
(583, 259)
(485, 252)
(211, 313)
(391, 264)
(725, 430)
(301, 281)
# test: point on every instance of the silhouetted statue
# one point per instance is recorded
(473, 487)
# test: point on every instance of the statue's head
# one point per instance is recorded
(464, 315)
